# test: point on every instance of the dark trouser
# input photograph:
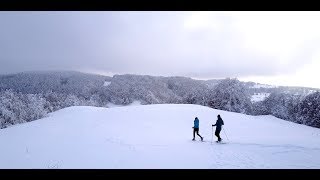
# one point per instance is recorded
(194, 131)
(217, 133)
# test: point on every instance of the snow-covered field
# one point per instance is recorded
(259, 97)
(157, 136)
(263, 86)
(106, 83)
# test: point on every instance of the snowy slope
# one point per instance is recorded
(157, 136)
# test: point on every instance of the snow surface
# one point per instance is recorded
(106, 83)
(263, 86)
(259, 97)
(157, 136)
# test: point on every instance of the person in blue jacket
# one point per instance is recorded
(218, 125)
(196, 129)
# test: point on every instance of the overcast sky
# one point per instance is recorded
(280, 48)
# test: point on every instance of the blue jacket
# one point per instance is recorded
(196, 123)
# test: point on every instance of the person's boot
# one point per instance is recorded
(201, 138)
(193, 139)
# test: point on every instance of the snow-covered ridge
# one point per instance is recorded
(157, 136)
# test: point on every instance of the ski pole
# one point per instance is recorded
(225, 133)
(212, 135)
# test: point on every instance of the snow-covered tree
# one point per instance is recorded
(29, 96)
(259, 108)
(281, 105)
(94, 101)
(230, 95)
(71, 100)
(12, 109)
(309, 110)
(35, 107)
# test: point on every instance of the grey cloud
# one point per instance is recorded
(154, 43)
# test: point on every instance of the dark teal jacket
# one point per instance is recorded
(196, 123)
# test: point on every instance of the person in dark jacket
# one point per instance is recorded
(196, 129)
(218, 125)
